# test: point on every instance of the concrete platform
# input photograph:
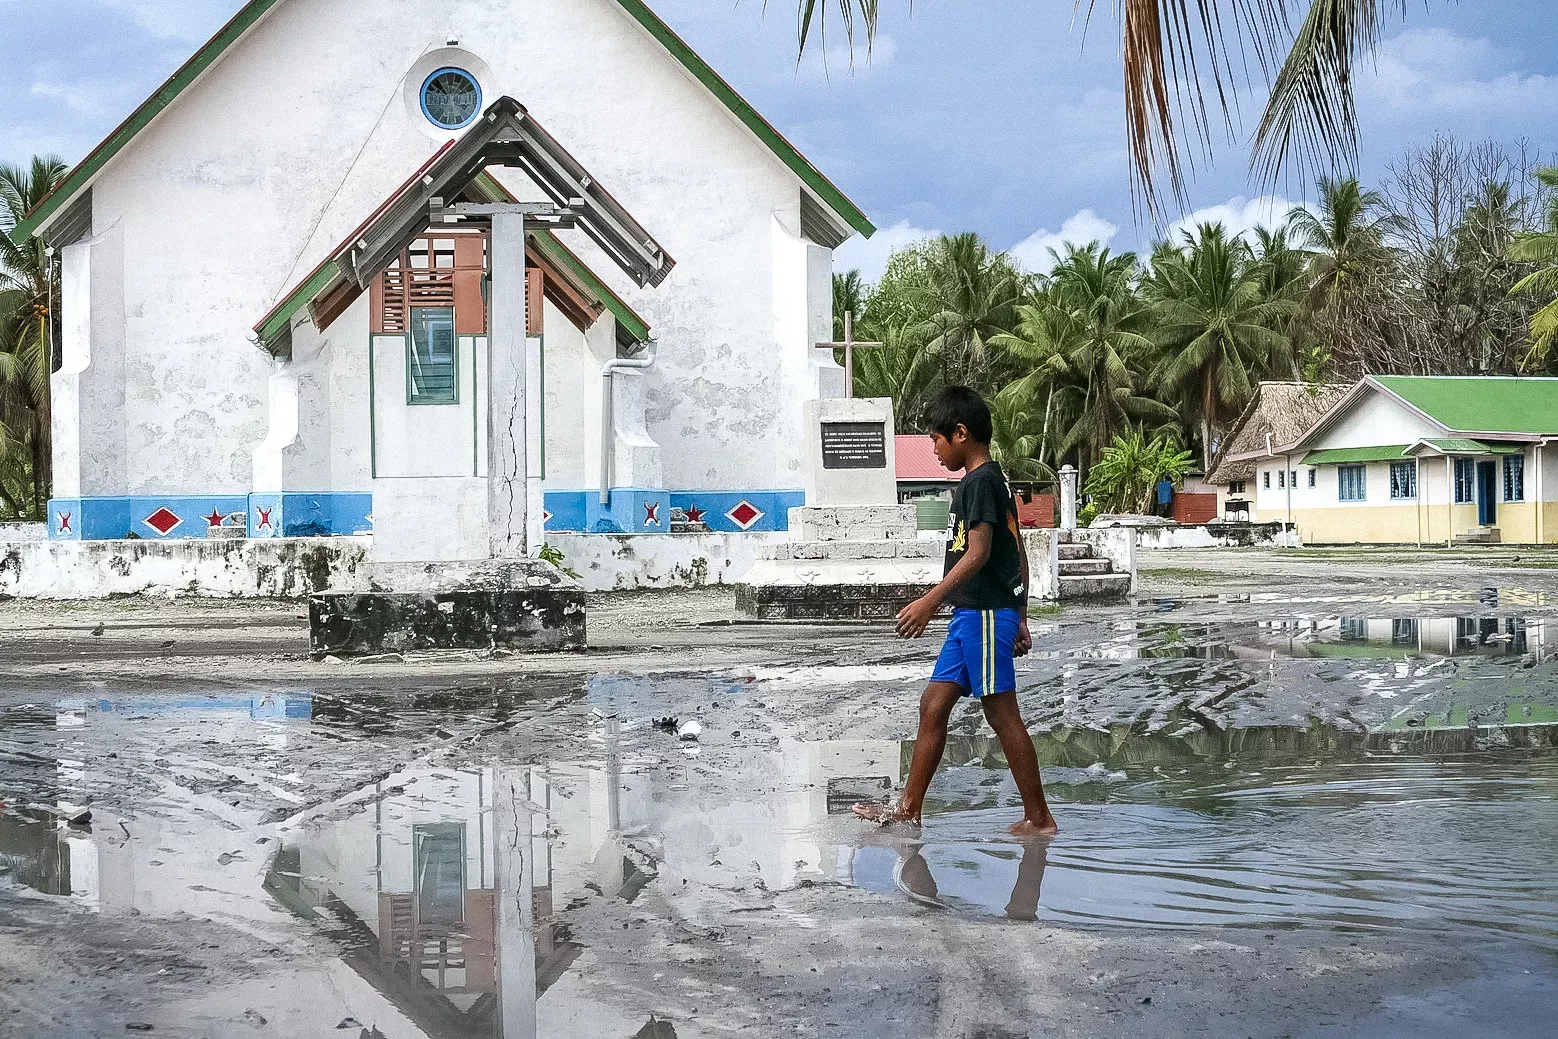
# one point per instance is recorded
(524, 606)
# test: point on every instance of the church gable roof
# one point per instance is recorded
(506, 135)
(81, 176)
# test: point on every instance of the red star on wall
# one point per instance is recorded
(651, 513)
(264, 517)
(695, 514)
(215, 519)
(64, 518)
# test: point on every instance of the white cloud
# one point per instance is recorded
(869, 255)
(1032, 254)
(1440, 74)
(1239, 215)
(81, 98)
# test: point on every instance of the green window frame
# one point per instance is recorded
(432, 357)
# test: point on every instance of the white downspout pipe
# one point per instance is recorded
(608, 429)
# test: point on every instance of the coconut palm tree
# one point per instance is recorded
(29, 290)
(969, 296)
(1018, 440)
(903, 369)
(1345, 239)
(1541, 248)
(1219, 332)
(1088, 333)
(849, 297)
(1176, 53)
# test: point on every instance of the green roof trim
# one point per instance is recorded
(1467, 446)
(139, 119)
(561, 255)
(1345, 455)
(280, 316)
(254, 10)
(749, 116)
(1481, 403)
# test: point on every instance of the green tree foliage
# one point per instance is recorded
(29, 294)
(1450, 267)
(1540, 247)
(1128, 471)
(1089, 330)
(1218, 327)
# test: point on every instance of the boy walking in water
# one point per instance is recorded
(986, 584)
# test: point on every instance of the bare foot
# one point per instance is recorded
(1029, 828)
(883, 814)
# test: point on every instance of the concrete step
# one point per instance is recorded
(1479, 536)
(1080, 567)
(882, 548)
(1094, 586)
(1070, 551)
(1062, 537)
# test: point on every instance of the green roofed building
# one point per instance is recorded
(1405, 459)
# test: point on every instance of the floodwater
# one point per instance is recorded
(396, 829)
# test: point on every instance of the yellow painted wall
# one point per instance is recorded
(1516, 522)
(1362, 524)
(1398, 524)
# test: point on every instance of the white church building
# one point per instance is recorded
(240, 350)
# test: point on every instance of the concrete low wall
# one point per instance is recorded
(622, 562)
(261, 567)
(1216, 535)
(23, 532)
(280, 567)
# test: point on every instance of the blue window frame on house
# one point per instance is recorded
(1313, 474)
(1403, 479)
(1514, 477)
(451, 98)
(1351, 482)
(1465, 481)
(1265, 479)
(432, 357)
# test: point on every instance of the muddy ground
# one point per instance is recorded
(1301, 794)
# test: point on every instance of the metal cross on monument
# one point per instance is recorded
(849, 346)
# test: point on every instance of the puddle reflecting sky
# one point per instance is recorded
(446, 890)
(1359, 636)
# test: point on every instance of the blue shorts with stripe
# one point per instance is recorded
(978, 652)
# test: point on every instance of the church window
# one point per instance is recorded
(431, 361)
(451, 98)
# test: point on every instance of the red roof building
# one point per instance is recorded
(917, 461)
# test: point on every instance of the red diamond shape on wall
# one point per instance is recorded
(163, 520)
(745, 514)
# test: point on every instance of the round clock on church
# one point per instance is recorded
(451, 98)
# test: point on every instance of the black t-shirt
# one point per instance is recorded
(983, 497)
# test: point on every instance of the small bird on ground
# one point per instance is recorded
(97, 630)
(166, 644)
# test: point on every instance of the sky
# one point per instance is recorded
(997, 116)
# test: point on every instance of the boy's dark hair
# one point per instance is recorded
(958, 406)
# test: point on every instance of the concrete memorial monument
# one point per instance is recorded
(853, 551)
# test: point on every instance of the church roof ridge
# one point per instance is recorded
(82, 174)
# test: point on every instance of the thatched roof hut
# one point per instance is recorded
(1277, 415)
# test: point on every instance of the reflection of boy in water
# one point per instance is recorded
(914, 877)
(986, 584)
